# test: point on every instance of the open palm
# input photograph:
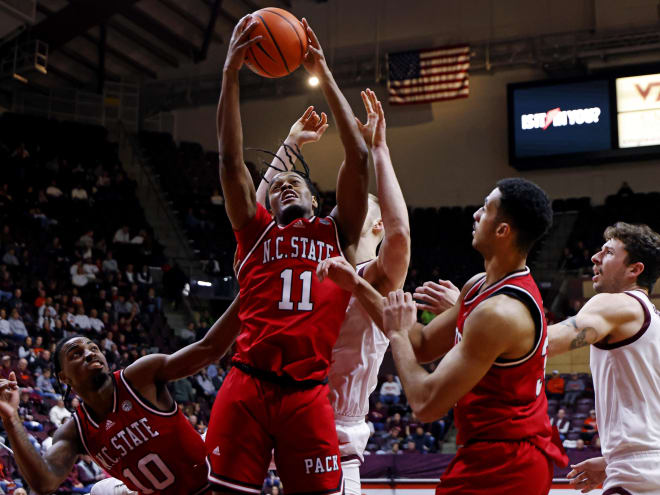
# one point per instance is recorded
(309, 128)
(373, 131)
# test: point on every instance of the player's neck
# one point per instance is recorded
(500, 265)
(101, 400)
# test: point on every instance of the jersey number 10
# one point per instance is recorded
(305, 303)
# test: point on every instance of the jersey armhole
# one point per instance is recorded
(535, 312)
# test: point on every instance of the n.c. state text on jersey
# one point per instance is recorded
(290, 320)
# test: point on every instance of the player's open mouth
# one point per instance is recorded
(289, 195)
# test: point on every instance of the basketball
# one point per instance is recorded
(283, 46)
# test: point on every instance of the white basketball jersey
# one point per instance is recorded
(626, 378)
(356, 359)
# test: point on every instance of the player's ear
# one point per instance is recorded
(636, 269)
(315, 203)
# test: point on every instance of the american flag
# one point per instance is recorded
(423, 76)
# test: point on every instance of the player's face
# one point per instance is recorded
(83, 363)
(486, 220)
(290, 198)
(611, 268)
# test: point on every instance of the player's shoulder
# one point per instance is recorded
(620, 306)
(471, 282)
(501, 315)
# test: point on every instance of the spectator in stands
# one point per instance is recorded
(589, 427)
(110, 264)
(6, 285)
(25, 350)
(81, 278)
(81, 320)
(562, 423)
(424, 441)
(140, 238)
(579, 444)
(216, 198)
(53, 191)
(625, 190)
(378, 416)
(5, 329)
(411, 448)
(10, 257)
(42, 361)
(122, 236)
(24, 375)
(88, 471)
(573, 390)
(554, 387)
(94, 322)
(45, 385)
(6, 367)
(144, 278)
(205, 383)
(16, 325)
(79, 193)
(58, 414)
(183, 391)
(390, 390)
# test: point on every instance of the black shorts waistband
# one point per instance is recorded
(281, 380)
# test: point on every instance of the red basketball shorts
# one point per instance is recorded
(250, 417)
(497, 468)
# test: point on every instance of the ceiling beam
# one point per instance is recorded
(85, 62)
(223, 14)
(160, 31)
(188, 17)
(144, 43)
(76, 18)
(119, 55)
(203, 51)
(77, 83)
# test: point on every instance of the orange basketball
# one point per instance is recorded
(282, 47)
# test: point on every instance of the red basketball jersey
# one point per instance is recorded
(149, 450)
(509, 402)
(290, 320)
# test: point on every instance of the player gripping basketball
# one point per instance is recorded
(275, 396)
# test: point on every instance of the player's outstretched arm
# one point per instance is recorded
(486, 335)
(307, 129)
(43, 474)
(353, 177)
(599, 317)
(163, 368)
(393, 258)
(237, 186)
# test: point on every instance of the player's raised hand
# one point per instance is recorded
(588, 474)
(9, 397)
(240, 41)
(314, 59)
(309, 128)
(399, 312)
(369, 128)
(436, 297)
(340, 271)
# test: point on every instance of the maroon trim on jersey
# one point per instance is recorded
(361, 267)
(144, 403)
(525, 297)
(493, 286)
(256, 244)
(334, 224)
(88, 416)
(632, 338)
(616, 490)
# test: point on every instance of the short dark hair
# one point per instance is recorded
(526, 206)
(642, 245)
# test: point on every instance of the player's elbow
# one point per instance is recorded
(358, 154)
(42, 486)
(426, 412)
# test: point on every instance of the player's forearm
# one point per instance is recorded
(31, 465)
(285, 160)
(413, 376)
(371, 300)
(354, 146)
(228, 122)
(392, 203)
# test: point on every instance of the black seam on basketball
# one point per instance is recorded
(302, 53)
(260, 46)
(286, 66)
(256, 61)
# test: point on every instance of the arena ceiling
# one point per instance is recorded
(93, 40)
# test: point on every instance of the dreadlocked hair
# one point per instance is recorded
(64, 390)
(291, 152)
